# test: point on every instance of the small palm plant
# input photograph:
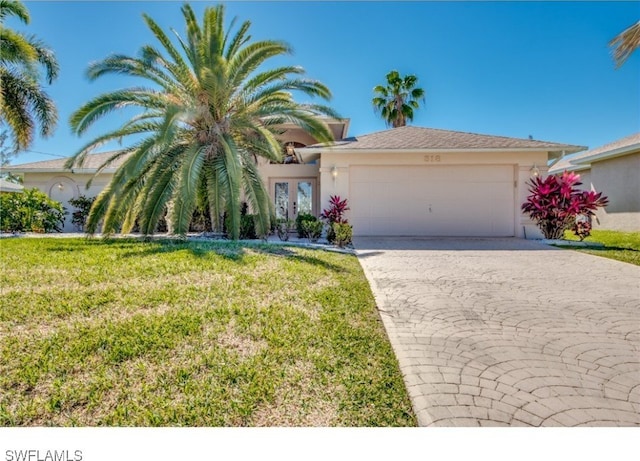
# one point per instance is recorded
(203, 121)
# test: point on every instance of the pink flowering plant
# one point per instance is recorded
(555, 203)
(334, 215)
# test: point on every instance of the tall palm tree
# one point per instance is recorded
(397, 100)
(206, 118)
(23, 102)
(625, 43)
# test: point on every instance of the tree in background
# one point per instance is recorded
(625, 43)
(6, 155)
(209, 114)
(23, 102)
(396, 101)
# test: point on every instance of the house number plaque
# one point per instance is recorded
(432, 158)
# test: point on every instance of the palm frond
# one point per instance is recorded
(625, 43)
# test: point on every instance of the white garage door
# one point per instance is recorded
(460, 201)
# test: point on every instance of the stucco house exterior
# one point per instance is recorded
(408, 181)
(613, 169)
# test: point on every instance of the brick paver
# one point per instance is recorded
(493, 332)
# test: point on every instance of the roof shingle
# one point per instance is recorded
(411, 137)
(581, 160)
(92, 163)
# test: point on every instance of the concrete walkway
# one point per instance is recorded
(509, 332)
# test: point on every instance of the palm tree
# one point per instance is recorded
(625, 43)
(207, 117)
(23, 103)
(397, 100)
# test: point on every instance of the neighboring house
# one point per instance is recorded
(407, 181)
(614, 170)
(7, 187)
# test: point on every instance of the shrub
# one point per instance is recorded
(582, 227)
(83, 206)
(343, 234)
(334, 215)
(313, 229)
(31, 211)
(300, 220)
(282, 228)
(335, 212)
(555, 203)
(247, 224)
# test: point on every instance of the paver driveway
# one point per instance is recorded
(508, 331)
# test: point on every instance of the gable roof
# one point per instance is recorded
(582, 161)
(420, 138)
(91, 164)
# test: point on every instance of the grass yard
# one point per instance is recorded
(129, 333)
(623, 246)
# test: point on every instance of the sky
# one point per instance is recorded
(502, 68)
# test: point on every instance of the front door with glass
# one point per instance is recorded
(293, 196)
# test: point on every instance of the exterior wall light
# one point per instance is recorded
(535, 172)
(334, 173)
(60, 186)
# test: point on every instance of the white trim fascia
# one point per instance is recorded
(619, 152)
(16, 169)
(333, 150)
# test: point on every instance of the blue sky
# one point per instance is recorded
(505, 68)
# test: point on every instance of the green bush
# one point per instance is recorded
(342, 234)
(300, 220)
(31, 211)
(312, 229)
(282, 228)
(248, 227)
(247, 224)
(83, 206)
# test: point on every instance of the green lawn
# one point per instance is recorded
(128, 333)
(623, 246)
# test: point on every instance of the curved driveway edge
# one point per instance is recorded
(509, 332)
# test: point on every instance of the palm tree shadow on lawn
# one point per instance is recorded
(229, 250)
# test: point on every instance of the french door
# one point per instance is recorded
(293, 196)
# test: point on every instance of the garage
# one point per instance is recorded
(433, 200)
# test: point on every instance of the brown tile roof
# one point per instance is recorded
(412, 137)
(582, 159)
(92, 163)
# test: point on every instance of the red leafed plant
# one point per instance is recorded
(334, 214)
(555, 202)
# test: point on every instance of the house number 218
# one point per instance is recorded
(431, 158)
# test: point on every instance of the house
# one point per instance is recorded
(614, 170)
(7, 187)
(408, 181)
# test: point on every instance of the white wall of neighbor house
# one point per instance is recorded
(618, 179)
(63, 187)
(502, 176)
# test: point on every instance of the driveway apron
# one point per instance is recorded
(509, 332)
